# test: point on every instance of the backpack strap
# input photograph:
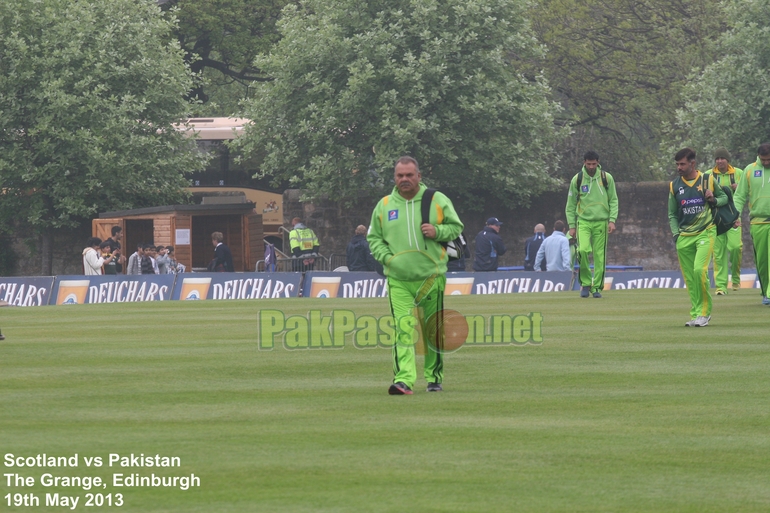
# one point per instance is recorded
(732, 178)
(579, 181)
(427, 199)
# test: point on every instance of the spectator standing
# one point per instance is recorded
(148, 262)
(531, 246)
(114, 240)
(592, 207)
(92, 258)
(134, 266)
(555, 250)
(359, 257)
(304, 245)
(163, 261)
(489, 245)
(110, 264)
(754, 189)
(223, 258)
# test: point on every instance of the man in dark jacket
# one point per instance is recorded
(531, 245)
(223, 258)
(489, 245)
(358, 254)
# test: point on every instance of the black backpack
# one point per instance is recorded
(726, 215)
(455, 249)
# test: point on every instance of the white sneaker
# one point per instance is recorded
(700, 321)
(688, 324)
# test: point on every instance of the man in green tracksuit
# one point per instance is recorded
(415, 265)
(690, 199)
(592, 207)
(754, 187)
(728, 244)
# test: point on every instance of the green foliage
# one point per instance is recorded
(729, 103)
(357, 84)
(88, 95)
(618, 67)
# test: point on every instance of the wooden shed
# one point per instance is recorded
(188, 229)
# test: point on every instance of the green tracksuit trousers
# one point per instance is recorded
(694, 255)
(592, 238)
(413, 325)
(728, 246)
(760, 235)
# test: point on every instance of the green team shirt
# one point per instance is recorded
(733, 175)
(688, 211)
(754, 187)
(592, 202)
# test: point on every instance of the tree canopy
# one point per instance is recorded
(729, 103)
(357, 84)
(221, 38)
(618, 68)
(89, 92)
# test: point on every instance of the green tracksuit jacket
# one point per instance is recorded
(595, 202)
(396, 241)
(754, 187)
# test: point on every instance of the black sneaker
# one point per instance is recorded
(399, 389)
(434, 387)
(584, 291)
(597, 294)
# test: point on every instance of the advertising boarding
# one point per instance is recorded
(32, 291)
(214, 286)
(82, 290)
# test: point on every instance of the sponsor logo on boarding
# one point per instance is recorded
(693, 201)
(757, 173)
(392, 215)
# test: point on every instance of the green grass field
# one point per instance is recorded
(621, 408)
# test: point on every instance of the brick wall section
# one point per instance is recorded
(642, 237)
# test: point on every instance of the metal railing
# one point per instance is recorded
(291, 264)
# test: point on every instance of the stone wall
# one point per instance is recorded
(642, 238)
(68, 246)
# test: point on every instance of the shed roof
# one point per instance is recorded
(217, 208)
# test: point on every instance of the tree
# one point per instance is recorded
(357, 84)
(221, 38)
(728, 104)
(89, 91)
(618, 66)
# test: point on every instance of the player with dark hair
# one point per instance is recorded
(415, 264)
(592, 208)
(754, 188)
(728, 246)
(692, 224)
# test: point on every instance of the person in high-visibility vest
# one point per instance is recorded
(304, 245)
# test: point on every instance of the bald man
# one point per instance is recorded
(531, 245)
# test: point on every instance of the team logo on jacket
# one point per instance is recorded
(584, 188)
(392, 215)
(758, 173)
